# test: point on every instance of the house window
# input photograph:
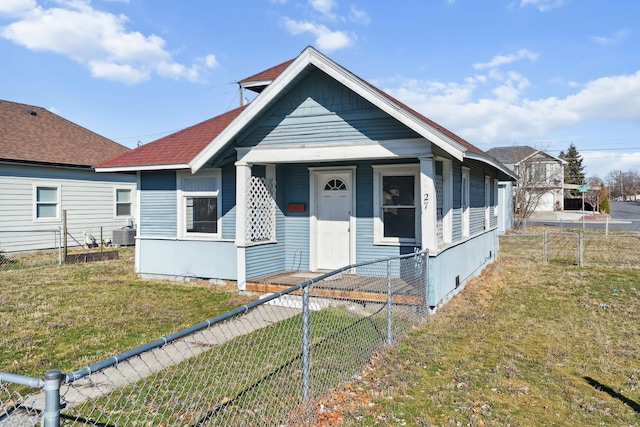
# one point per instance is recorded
(47, 201)
(487, 202)
(396, 207)
(123, 202)
(201, 214)
(465, 201)
(199, 204)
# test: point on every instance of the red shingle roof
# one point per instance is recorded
(268, 74)
(182, 147)
(179, 148)
(34, 134)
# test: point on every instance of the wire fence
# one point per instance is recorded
(266, 363)
(30, 248)
(588, 248)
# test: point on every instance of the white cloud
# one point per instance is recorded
(506, 115)
(96, 39)
(543, 5)
(16, 7)
(360, 16)
(600, 163)
(616, 38)
(500, 60)
(323, 6)
(326, 39)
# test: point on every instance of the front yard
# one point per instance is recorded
(526, 344)
(65, 317)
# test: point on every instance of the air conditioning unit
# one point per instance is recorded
(124, 237)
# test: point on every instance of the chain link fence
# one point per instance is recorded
(267, 363)
(30, 248)
(591, 248)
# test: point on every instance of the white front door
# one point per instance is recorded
(333, 218)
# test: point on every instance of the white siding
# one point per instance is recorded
(88, 198)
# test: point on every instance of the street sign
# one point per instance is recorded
(584, 188)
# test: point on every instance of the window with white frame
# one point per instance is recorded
(47, 202)
(396, 204)
(487, 202)
(123, 201)
(465, 201)
(199, 204)
(495, 197)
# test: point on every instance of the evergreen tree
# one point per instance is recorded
(573, 170)
(604, 200)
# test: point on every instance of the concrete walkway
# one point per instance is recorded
(137, 368)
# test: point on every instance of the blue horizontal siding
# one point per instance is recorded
(464, 260)
(320, 110)
(158, 204)
(228, 202)
(176, 259)
(264, 259)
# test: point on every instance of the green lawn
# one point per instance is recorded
(66, 317)
(526, 344)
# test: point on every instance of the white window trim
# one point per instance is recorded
(380, 171)
(447, 202)
(58, 188)
(496, 184)
(131, 202)
(465, 212)
(182, 204)
(487, 202)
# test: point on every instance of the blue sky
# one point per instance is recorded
(544, 73)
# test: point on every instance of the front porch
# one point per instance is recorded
(346, 285)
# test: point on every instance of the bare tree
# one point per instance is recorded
(623, 185)
(596, 194)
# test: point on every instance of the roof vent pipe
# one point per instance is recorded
(32, 112)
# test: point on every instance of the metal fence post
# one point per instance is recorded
(544, 247)
(581, 249)
(389, 325)
(51, 415)
(305, 344)
(606, 227)
(425, 280)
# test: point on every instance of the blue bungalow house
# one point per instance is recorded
(321, 170)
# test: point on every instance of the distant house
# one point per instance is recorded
(540, 185)
(46, 168)
(321, 170)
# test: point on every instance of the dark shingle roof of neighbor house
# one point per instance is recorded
(511, 155)
(31, 134)
(181, 147)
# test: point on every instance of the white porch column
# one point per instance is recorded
(243, 173)
(428, 204)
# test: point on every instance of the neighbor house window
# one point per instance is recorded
(199, 202)
(47, 202)
(396, 204)
(123, 202)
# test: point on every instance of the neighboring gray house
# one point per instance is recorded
(541, 178)
(45, 169)
(321, 170)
